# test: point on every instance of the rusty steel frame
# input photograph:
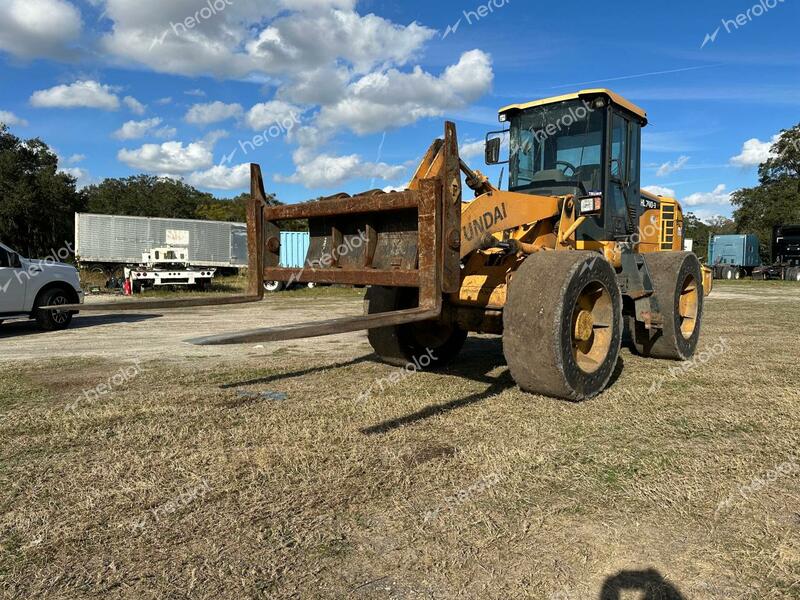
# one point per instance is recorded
(427, 277)
(435, 193)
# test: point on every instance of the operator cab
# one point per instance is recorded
(587, 145)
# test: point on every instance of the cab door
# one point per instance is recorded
(13, 283)
(623, 210)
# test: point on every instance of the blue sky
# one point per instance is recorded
(346, 96)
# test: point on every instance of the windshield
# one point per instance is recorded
(557, 146)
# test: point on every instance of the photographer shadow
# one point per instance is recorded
(650, 582)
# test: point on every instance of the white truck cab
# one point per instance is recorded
(26, 285)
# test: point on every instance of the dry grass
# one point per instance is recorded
(188, 482)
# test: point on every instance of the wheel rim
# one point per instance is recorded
(59, 316)
(688, 306)
(591, 327)
(271, 286)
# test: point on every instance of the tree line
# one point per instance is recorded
(38, 202)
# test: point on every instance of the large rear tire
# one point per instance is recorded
(678, 282)
(563, 324)
(402, 345)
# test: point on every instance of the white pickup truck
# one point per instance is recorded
(27, 284)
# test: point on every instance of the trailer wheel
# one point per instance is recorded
(563, 324)
(737, 273)
(727, 273)
(273, 287)
(678, 281)
(403, 345)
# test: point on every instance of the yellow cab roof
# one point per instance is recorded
(615, 98)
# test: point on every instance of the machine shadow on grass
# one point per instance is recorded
(479, 357)
(650, 583)
(29, 327)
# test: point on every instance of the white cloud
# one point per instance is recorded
(169, 157)
(222, 178)
(660, 191)
(81, 94)
(267, 37)
(133, 130)
(671, 167)
(195, 92)
(81, 175)
(213, 112)
(263, 115)
(718, 196)
(345, 70)
(326, 171)
(164, 101)
(10, 118)
(307, 41)
(40, 28)
(472, 149)
(134, 105)
(75, 159)
(387, 99)
(755, 152)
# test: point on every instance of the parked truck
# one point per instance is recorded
(733, 256)
(26, 285)
(112, 242)
(785, 255)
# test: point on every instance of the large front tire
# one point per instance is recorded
(678, 281)
(428, 345)
(563, 324)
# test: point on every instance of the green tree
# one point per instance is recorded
(37, 202)
(146, 196)
(700, 232)
(760, 208)
(776, 200)
(785, 162)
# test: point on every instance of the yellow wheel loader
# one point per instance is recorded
(573, 257)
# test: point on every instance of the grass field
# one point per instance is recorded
(307, 470)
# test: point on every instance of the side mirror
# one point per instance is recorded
(493, 150)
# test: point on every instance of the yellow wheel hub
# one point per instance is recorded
(584, 326)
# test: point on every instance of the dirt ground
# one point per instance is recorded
(134, 465)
